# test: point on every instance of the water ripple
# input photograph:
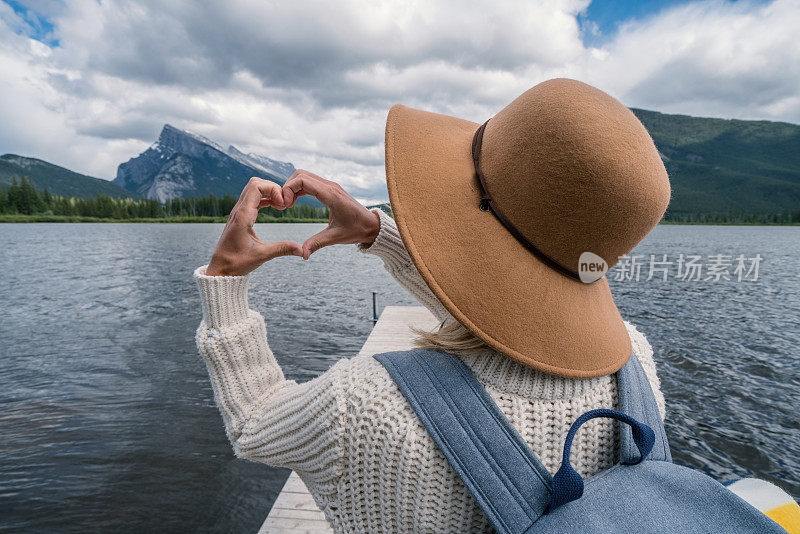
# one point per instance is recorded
(108, 420)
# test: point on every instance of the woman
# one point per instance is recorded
(489, 241)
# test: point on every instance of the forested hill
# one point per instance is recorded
(727, 166)
(56, 180)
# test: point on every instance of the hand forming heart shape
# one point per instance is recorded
(240, 251)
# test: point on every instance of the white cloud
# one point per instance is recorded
(709, 58)
(311, 82)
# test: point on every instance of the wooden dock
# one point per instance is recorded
(294, 510)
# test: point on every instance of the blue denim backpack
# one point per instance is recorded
(645, 492)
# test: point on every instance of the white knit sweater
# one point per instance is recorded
(351, 435)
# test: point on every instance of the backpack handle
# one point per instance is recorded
(567, 483)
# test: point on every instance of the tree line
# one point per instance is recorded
(23, 198)
(734, 217)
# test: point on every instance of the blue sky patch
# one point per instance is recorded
(39, 26)
(600, 21)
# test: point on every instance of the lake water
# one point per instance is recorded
(107, 416)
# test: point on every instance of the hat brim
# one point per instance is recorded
(485, 278)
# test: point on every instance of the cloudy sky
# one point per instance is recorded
(89, 84)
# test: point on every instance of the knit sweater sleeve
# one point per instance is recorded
(388, 246)
(267, 418)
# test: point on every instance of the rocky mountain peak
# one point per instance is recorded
(281, 169)
(185, 164)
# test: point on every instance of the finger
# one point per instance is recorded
(270, 203)
(289, 196)
(243, 194)
(306, 183)
(275, 199)
(317, 241)
(281, 248)
(234, 217)
(265, 190)
(293, 189)
(258, 189)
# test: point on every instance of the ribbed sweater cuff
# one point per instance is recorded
(388, 246)
(224, 298)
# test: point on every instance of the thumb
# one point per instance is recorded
(318, 241)
(280, 248)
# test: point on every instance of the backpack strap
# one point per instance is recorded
(636, 399)
(498, 468)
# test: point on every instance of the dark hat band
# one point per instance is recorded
(488, 204)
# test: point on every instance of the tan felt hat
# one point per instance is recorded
(563, 170)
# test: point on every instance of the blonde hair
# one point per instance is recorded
(451, 336)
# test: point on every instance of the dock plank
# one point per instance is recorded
(294, 510)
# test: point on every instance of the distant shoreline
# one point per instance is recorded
(18, 218)
(679, 223)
